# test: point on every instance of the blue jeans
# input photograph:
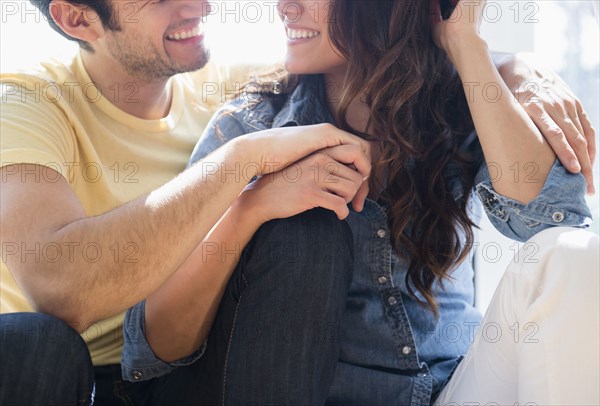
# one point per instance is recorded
(43, 362)
(286, 296)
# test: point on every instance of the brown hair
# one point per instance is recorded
(101, 7)
(419, 112)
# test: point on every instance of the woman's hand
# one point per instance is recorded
(326, 178)
(462, 27)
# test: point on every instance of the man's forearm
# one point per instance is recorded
(143, 243)
(164, 226)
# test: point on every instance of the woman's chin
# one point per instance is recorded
(295, 67)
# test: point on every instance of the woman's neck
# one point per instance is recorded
(358, 112)
(357, 117)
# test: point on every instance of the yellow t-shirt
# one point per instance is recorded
(55, 117)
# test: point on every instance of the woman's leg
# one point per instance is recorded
(539, 341)
(275, 339)
(284, 345)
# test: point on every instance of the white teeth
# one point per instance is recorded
(184, 35)
(297, 34)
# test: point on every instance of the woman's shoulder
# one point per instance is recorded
(261, 99)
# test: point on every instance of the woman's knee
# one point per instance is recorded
(573, 245)
(313, 236)
(313, 241)
(570, 252)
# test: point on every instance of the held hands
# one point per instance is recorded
(329, 178)
(278, 148)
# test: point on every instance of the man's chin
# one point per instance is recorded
(200, 64)
(196, 66)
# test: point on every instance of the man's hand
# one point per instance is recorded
(555, 110)
(280, 147)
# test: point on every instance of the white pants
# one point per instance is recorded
(539, 342)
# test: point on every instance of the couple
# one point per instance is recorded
(358, 312)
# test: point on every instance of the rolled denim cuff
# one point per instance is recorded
(561, 202)
(139, 363)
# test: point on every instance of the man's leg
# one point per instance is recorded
(43, 362)
(538, 343)
(275, 339)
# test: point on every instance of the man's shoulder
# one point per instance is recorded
(217, 83)
(50, 73)
(229, 73)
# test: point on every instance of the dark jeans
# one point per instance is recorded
(43, 361)
(286, 296)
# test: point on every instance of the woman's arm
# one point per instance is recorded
(510, 140)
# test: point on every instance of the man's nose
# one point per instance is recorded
(194, 8)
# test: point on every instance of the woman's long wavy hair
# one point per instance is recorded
(419, 113)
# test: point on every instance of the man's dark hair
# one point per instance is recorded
(101, 7)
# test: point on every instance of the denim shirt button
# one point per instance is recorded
(422, 375)
(392, 300)
(382, 280)
(558, 217)
(406, 350)
(137, 375)
(381, 233)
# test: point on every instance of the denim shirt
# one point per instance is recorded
(388, 340)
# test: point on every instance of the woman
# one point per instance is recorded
(381, 311)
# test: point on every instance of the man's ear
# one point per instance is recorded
(76, 21)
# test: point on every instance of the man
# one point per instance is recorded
(96, 214)
(103, 156)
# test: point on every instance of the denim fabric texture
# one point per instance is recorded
(43, 361)
(392, 350)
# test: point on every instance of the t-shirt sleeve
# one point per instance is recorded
(33, 127)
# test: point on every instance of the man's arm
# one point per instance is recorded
(164, 226)
(554, 109)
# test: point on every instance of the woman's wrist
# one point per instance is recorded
(249, 209)
(462, 48)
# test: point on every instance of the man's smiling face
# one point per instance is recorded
(156, 39)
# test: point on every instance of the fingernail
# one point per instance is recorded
(365, 178)
(575, 165)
